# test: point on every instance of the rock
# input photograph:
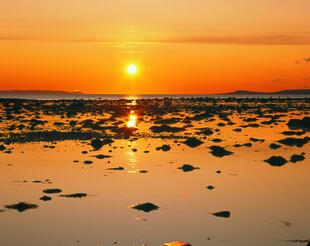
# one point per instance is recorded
(187, 168)
(274, 146)
(299, 124)
(75, 195)
(116, 168)
(297, 158)
(223, 214)
(164, 148)
(276, 161)
(299, 142)
(166, 128)
(2, 147)
(45, 198)
(102, 156)
(22, 206)
(193, 142)
(88, 162)
(52, 191)
(210, 187)
(219, 151)
(98, 144)
(146, 207)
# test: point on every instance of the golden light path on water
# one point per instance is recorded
(132, 121)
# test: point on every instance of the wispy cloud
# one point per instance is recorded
(233, 40)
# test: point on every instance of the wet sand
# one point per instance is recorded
(150, 172)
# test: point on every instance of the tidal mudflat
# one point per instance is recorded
(155, 172)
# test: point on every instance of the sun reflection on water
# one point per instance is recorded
(132, 121)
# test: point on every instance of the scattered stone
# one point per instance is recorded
(52, 191)
(299, 142)
(193, 142)
(210, 187)
(116, 168)
(88, 162)
(22, 206)
(276, 161)
(223, 214)
(75, 195)
(299, 124)
(219, 151)
(164, 148)
(45, 198)
(297, 158)
(146, 207)
(274, 146)
(187, 168)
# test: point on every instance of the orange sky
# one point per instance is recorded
(180, 46)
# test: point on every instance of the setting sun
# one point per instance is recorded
(132, 69)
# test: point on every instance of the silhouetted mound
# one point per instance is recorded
(22, 206)
(116, 168)
(187, 168)
(299, 142)
(75, 195)
(274, 146)
(166, 128)
(146, 207)
(223, 214)
(177, 244)
(276, 161)
(45, 198)
(165, 148)
(193, 142)
(219, 151)
(297, 158)
(98, 144)
(52, 191)
(299, 124)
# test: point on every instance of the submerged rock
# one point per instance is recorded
(193, 142)
(187, 168)
(146, 207)
(210, 187)
(276, 161)
(219, 151)
(22, 206)
(52, 191)
(223, 214)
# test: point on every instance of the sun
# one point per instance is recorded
(132, 69)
